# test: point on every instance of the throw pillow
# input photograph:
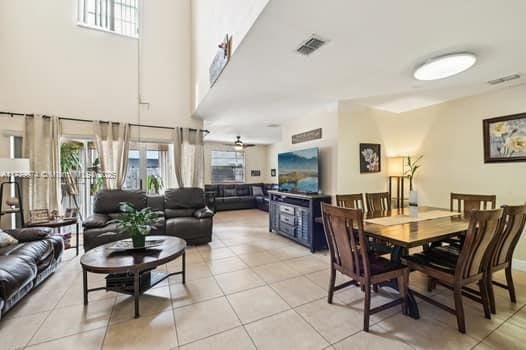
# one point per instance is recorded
(229, 192)
(257, 191)
(6, 240)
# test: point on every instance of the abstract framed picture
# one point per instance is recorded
(505, 139)
(370, 158)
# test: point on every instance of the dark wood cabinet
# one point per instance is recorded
(294, 216)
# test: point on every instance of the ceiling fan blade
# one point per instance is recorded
(249, 145)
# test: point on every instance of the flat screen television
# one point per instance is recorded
(298, 171)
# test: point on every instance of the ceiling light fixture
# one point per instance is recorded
(445, 66)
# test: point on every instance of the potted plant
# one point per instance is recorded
(410, 172)
(154, 184)
(138, 223)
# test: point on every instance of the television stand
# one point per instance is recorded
(293, 216)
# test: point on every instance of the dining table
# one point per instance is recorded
(406, 228)
(415, 227)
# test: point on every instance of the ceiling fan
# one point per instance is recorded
(240, 145)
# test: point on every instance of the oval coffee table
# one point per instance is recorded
(132, 272)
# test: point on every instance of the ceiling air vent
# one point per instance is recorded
(310, 45)
(504, 79)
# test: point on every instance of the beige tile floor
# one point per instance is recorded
(248, 289)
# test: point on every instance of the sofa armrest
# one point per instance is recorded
(96, 221)
(203, 213)
(29, 234)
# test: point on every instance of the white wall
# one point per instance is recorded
(255, 159)
(449, 136)
(49, 65)
(211, 21)
(359, 124)
(327, 120)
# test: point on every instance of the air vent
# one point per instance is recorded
(310, 45)
(273, 125)
(504, 79)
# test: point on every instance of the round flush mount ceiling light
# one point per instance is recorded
(445, 66)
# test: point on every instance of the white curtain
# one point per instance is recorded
(188, 157)
(113, 143)
(42, 146)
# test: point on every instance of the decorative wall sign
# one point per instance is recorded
(273, 172)
(307, 136)
(255, 173)
(505, 139)
(221, 59)
(370, 158)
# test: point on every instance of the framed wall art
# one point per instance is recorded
(505, 139)
(370, 158)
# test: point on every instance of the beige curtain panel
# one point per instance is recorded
(42, 146)
(113, 144)
(188, 157)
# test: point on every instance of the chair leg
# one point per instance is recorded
(491, 294)
(403, 282)
(511, 286)
(375, 288)
(366, 307)
(485, 299)
(459, 309)
(429, 284)
(332, 281)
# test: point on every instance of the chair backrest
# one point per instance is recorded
(348, 250)
(378, 201)
(465, 203)
(511, 227)
(474, 255)
(352, 201)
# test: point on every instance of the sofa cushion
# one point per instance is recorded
(257, 191)
(242, 190)
(37, 253)
(108, 201)
(96, 220)
(229, 192)
(15, 273)
(178, 213)
(156, 202)
(212, 189)
(6, 239)
(184, 198)
(29, 234)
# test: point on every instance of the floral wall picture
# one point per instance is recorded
(370, 158)
(505, 139)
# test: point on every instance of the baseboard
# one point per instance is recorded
(519, 264)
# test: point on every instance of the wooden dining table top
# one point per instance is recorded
(414, 234)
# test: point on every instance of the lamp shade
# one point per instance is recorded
(12, 167)
(396, 166)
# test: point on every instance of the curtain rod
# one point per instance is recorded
(12, 114)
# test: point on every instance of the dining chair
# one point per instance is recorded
(504, 244)
(469, 267)
(464, 203)
(378, 201)
(353, 201)
(350, 256)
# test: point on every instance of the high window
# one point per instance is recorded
(117, 16)
(228, 166)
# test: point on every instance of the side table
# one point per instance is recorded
(58, 224)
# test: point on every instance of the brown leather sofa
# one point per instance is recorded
(182, 213)
(25, 265)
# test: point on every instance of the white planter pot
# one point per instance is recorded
(413, 199)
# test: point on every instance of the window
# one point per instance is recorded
(228, 167)
(117, 16)
(147, 165)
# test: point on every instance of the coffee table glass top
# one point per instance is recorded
(102, 259)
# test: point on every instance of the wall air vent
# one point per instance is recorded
(504, 79)
(310, 45)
